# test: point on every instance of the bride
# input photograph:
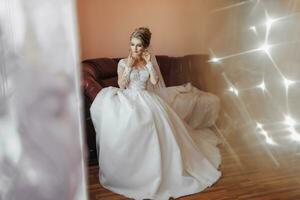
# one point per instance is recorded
(145, 150)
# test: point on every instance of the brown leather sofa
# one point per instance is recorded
(102, 72)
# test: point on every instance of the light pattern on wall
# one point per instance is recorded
(256, 58)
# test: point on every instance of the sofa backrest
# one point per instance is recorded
(175, 70)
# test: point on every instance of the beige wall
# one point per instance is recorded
(178, 27)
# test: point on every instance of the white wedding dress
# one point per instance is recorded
(145, 150)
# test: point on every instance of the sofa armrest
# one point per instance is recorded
(88, 82)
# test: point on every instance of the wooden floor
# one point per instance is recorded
(251, 169)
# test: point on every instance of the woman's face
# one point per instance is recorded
(136, 47)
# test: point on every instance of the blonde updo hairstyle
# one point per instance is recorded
(143, 34)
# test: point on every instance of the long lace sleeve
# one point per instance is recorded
(123, 74)
(153, 73)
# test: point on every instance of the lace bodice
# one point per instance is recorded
(137, 78)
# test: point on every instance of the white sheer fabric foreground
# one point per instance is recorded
(41, 137)
(145, 149)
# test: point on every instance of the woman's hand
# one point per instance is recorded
(146, 56)
(130, 60)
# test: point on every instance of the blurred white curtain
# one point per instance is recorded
(41, 140)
